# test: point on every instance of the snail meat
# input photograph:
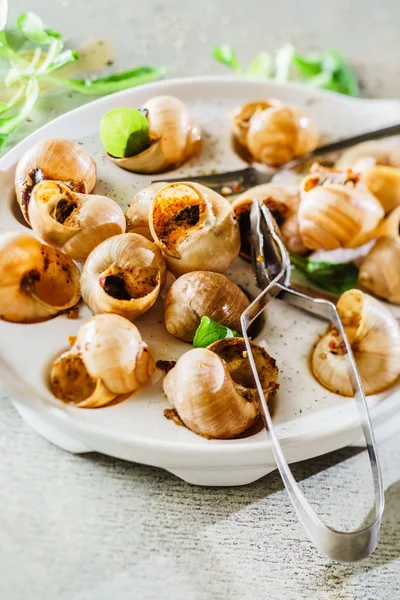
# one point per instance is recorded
(108, 358)
(123, 275)
(213, 391)
(75, 223)
(195, 228)
(37, 282)
(59, 159)
(283, 202)
(374, 335)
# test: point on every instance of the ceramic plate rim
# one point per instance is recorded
(230, 448)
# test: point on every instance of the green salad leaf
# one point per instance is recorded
(328, 70)
(332, 277)
(111, 83)
(209, 331)
(10, 124)
(33, 28)
(36, 55)
(124, 132)
(261, 67)
(226, 55)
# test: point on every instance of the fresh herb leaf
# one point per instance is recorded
(328, 70)
(307, 65)
(226, 55)
(209, 331)
(33, 28)
(15, 41)
(9, 124)
(36, 55)
(7, 50)
(124, 132)
(332, 277)
(18, 94)
(111, 83)
(59, 62)
(342, 73)
(261, 67)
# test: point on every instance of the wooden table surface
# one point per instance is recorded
(94, 528)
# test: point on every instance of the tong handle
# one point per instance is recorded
(337, 545)
(272, 271)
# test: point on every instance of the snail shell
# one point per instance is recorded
(391, 225)
(374, 335)
(109, 358)
(380, 269)
(283, 202)
(379, 166)
(384, 183)
(174, 138)
(58, 159)
(378, 153)
(195, 228)
(75, 223)
(212, 389)
(36, 281)
(199, 294)
(273, 133)
(336, 210)
(137, 215)
(123, 275)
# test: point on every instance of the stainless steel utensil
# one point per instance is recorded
(244, 179)
(272, 268)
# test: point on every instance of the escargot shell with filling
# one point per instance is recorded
(212, 389)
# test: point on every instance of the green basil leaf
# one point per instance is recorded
(226, 55)
(332, 277)
(124, 132)
(308, 65)
(111, 83)
(261, 67)
(53, 34)
(328, 70)
(324, 81)
(35, 30)
(6, 49)
(343, 73)
(209, 331)
(14, 39)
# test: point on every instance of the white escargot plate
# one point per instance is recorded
(309, 419)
